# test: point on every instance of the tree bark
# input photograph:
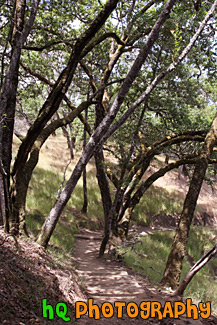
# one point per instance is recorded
(104, 187)
(174, 263)
(4, 199)
(70, 139)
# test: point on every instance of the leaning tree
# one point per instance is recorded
(106, 128)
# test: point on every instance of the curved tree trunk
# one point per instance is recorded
(129, 205)
(19, 33)
(173, 269)
(61, 86)
(24, 176)
(58, 91)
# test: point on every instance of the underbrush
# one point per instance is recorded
(149, 255)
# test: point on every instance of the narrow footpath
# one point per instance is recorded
(110, 281)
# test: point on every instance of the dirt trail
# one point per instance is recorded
(104, 280)
(110, 281)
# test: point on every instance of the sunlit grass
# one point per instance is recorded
(156, 201)
(41, 197)
(150, 254)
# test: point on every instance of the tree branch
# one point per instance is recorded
(191, 159)
(51, 84)
(48, 45)
(160, 76)
(61, 86)
(100, 40)
(201, 263)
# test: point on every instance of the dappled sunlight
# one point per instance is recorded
(102, 278)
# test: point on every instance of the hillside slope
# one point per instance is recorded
(28, 275)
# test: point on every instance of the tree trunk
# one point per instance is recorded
(100, 171)
(85, 197)
(104, 187)
(4, 219)
(174, 263)
(22, 184)
(109, 224)
(24, 176)
(20, 32)
(70, 139)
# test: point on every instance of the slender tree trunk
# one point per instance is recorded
(70, 140)
(109, 225)
(24, 177)
(4, 200)
(104, 187)
(85, 197)
(101, 173)
(174, 263)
